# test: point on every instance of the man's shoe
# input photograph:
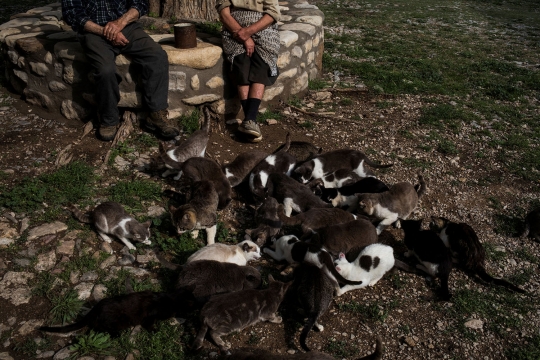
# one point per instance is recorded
(159, 123)
(250, 127)
(107, 133)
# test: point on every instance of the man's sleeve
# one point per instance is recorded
(141, 6)
(74, 14)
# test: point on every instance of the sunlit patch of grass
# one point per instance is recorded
(190, 122)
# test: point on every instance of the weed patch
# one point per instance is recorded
(190, 123)
(132, 193)
(65, 307)
(340, 348)
(91, 343)
(268, 114)
(164, 343)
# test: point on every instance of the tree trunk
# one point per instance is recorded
(189, 9)
(154, 7)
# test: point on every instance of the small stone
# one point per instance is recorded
(29, 326)
(73, 111)
(5, 356)
(107, 248)
(215, 82)
(474, 324)
(45, 355)
(409, 341)
(21, 75)
(284, 59)
(291, 351)
(127, 259)
(155, 211)
(201, 99)
(63, 354)
(66, 248)
(46, 229)
(84, 290)
(287, 38)
(46, 261)
(177, 81)
(5, 242)
(48, 58)
(39, 68)
(136, 271)
(89, 276)
(22, 262)
(272, 92)
(512, 262)
(56, 86)
(204, 56)
(195, 82)
(99, 292)
(74, 277)
(271, 121)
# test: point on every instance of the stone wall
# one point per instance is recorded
(46, 64)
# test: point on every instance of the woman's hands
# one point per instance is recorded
(249, 44)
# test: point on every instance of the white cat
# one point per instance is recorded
(369, 267)
(239, 254)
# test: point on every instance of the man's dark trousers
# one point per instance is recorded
(144, 52)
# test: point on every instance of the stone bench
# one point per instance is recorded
(46, 64)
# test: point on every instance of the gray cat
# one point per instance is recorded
(269, 224)
(390, 206)
(301, 150)
(210, 277)
(193, 146)
(316, 218)
(315, 291)
(238, 170)
(199, 213)
(532, 225)
(224, 314)
(292, 194)
(110, 218)
(258, 354)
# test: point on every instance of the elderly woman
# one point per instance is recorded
(251, 44)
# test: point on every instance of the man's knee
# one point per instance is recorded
(105, 71)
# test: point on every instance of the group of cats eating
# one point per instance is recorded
(339, 208)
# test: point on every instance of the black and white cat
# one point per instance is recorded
(110, 218)
(331, 161)
(345, 197)
(224, 314)
(532, 225)
(239, 254)
(193, 146)
(316, 218)
(240, 168)
(390, 206)
(267, 219)
(336, 179)
(315, 291)
(428, 248)
(279, 163)
(467, 250)
(291, 249)
(292, 194)
(369, 267)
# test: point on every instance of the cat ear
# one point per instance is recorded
(341, 256)
(248, 233)
(271, 279)
(245, 247)
(147, 224)
(172, 208)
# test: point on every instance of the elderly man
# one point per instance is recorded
(105, 29)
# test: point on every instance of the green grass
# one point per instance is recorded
(268, 114)
(182, 246)
(117, 284)
(317, 84)
(66, 307)
(210, 27)
(492, 254)
(447, 147)
(530, 351)
(121, 149)
(341, 348)
(29, 346)
(307, 124)
(373, 311)
(190, 122)
(91, 343)
(132, 193)
(164, 343)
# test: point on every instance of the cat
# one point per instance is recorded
(337, 179)
(466, 249)
(279, 163)
(210, 277)
(193, 146)
(331, 161)
(374, 261)
(239, 254)
(224, 314)
(202, 169)
(199, 213)
(301, 150)
(315, 292)
(238, 170)
(268, 221)
(292, 194)
(112, 315)
(291, 249)
(390, 206)
(428, 248)
(347, 237)
(258, 354)
(315, 219)
(532, 225)
(344, 197)
(110, 218)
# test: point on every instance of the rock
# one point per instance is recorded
(70, 50)
(201, 99)
(39, 10)
(121, 164)
(195, 83)
(284, 59)
(73, 111)
(156, 210)
(21, 75)
(13, 56)
(21, 294)
(5, 356)
(30, 326)
(297, 51)
(310, 57)
(409, 341)
(74, 277)
(299, 84)
(316, 40)
(272, 92)
(287, 38)
(22, 262)
(130, 99)
(12, 320)
(63, 354)
(7, 32)
(146, 258)
(204, 56)
(313, 20)
(378, 89)
(19, 22)
(65, 35)
(287, 74)
(271, 121)
(56, 86)
(34, 97)
(127, 259)
(100, 292)
(14, 39)
(5, 242)
(512, 262)
(86, 358)
(219, 107)
(322, 95)
(40, 69)
(46, 229)
(308, 45)
(215, 82)
(307, 28)
(177, 81)
(109, 358)
(84, 290)
(56, 13)
(313, 73)
(48, 58)
(58, 69)
(291, 351)
(70, 76)
(45, 355)
(474, 324)
(89, 276)
(106, 247)
(46, 261)
(136, 271)
(66, 248)
(305, 5)
(24, 224)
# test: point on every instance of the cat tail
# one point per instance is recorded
(375, 165)
(79, 215)
(525, 232)
(329, 262)
(481, 271)
(378, 353)
(287, 144)
(167, 264)
(312, 319)
(293, 220)
(421, 187)
(398, 264)
(167, 159)
(65, 329)
(207, 116)
(197, 344)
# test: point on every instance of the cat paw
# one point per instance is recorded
(131, 247)
(276, 320)
(319, 327)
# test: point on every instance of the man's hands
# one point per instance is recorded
(112, 29)
(120, 40)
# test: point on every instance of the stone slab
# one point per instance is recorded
(201, 99)
(19, 22)
(310, 19)
(70, 50)
(7, 32)
(307, 28)
(11, 40)
(204, 56)
(287, 38)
